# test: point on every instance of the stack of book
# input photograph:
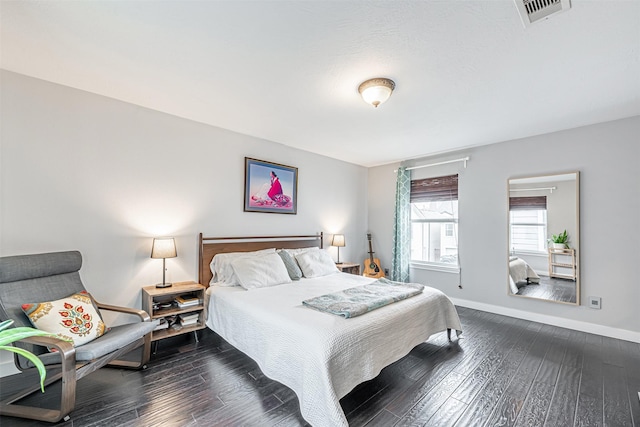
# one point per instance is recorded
(168, 322)
(188, 319)
(185, 301)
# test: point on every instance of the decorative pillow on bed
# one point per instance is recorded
(223, 274)
(295, 252)
(261, 271)
(75, 318)
(316, 264)
(292, 266)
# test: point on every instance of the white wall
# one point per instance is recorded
(81, 171)
(606, 155)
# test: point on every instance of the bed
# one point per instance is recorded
(520, 271)
(320, 356)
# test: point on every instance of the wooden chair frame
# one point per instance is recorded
(71, 372)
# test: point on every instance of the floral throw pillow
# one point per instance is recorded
(74, 318)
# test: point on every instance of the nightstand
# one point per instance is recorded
(349, 267)
(180, 307)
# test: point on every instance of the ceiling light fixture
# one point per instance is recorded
(376, 91)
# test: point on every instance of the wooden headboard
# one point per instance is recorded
(208, 247)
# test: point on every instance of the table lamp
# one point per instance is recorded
(338, 241)
(163, 247)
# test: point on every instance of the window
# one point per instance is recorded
(434, 220)
(528, 224)
(448, 230)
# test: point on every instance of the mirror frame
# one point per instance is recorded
(575, 244)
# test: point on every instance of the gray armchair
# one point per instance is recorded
(52, 276)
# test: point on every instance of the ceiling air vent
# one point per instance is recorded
(535, 10)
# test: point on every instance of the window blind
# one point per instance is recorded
(527, 203)
(434, 189)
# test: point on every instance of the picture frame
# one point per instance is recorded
(270, 187)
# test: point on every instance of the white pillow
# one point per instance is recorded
(260, 271)
(221, 266)
(316, 264)
(298, 251)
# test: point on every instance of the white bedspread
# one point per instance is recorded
(321, 356)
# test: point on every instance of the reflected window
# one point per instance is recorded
(528, 230)
(528, 224)
(434, 220)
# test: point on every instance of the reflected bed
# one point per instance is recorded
(520, 271)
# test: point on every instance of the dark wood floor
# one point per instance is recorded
(503, 372)
(550, 288)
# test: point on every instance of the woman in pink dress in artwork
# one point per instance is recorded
(276, 187)
(269, 192)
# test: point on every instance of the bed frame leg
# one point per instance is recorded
(449, 334)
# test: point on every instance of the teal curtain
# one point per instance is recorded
(401, 252)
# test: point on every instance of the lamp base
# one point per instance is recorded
(163, 285)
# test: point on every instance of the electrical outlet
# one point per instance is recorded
(386, 272)
(595, 302)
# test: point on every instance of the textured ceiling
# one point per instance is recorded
(467, 72)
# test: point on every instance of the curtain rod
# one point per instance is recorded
(534, 189)
(464, 159)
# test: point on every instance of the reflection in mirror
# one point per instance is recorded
(544, 237)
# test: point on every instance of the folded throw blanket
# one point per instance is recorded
(353, 302)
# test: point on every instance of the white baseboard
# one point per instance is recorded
(7, 367)
(577, 325)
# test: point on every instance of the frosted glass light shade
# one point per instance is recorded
(164, 247)
(338, 240)
(376, 91)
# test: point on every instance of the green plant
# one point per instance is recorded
(8, 336)
(561, 238)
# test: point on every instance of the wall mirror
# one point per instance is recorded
(544, 237)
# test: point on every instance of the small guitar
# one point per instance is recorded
(372, 265)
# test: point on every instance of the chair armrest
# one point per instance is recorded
(143, 315)
(65, 348)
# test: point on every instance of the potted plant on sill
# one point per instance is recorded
(8, 336)
(559, 241)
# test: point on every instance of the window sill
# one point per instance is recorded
(531, 253)
(443, 268)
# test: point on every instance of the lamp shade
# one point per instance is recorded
(164, 247)
(376, 91)
(338, 240)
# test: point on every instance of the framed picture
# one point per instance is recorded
(270, 187)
